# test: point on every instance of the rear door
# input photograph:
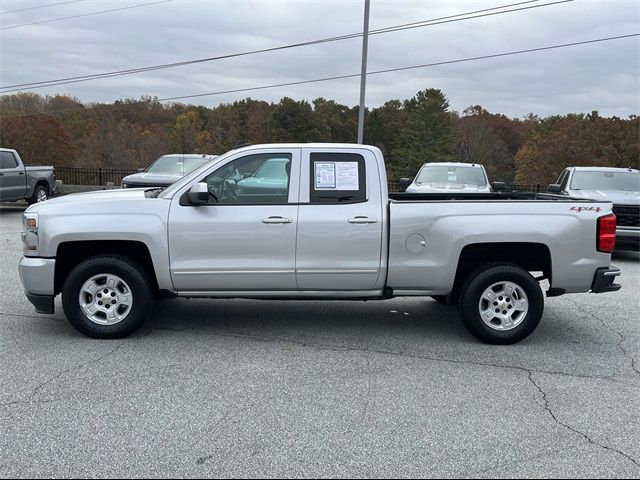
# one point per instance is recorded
(340, 220)
(12, 177)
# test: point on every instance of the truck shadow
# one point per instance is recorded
(352, 319)
(389, 323)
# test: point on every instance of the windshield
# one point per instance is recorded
(167, 192)
(177, 164)
(624, 181)
(451, 174)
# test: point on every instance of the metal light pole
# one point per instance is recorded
(363, 74)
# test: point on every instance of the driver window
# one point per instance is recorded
(260, 179)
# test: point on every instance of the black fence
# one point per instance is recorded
(102, 176)
(92, 176)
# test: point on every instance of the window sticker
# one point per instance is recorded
(336, 176)
(325, 175)
(347, 176)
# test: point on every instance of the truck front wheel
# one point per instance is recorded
(501, 304)
(107, 297)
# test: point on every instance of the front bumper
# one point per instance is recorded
(628, 232)
(603, 280)
(43, 303)
(37, 276)
(627, 238)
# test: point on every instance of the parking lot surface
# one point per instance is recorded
(242, 388)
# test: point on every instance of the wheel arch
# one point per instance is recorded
(69, 254)
(531, 256)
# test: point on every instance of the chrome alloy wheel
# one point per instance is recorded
(106, 299)
(41, 196)
(503, 306)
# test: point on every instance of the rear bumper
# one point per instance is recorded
(603, 280)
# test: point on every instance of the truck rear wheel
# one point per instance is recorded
(501, 304)
(107, 296)
(40, 194)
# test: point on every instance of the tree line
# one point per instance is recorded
(61, 131)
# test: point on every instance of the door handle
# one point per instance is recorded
(362, 219)
(276, 220)
(20, 173)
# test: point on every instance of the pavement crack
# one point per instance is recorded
(555, 418)
(621, 340)
(333, 348)
(42, 385)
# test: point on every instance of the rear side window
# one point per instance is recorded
(337, 178)
(562, 181)
(7, 160)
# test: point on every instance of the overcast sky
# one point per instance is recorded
(602, 77)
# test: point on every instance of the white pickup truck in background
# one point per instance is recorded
(447, 177)
(300, 221)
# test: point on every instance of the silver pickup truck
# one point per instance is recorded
(17, 181)
(309, 221)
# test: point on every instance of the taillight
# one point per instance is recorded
(606, 233)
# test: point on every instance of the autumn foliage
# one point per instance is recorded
(61, 131)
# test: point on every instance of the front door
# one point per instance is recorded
(340, 221)
(245, 238)
(12, 177)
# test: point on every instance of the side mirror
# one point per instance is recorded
(498, 186)
(141, 170)
(554, 188)
(405, 182)
(199, 194)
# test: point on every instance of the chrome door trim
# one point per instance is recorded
(283, 293)
(230, 272)
(338, 271)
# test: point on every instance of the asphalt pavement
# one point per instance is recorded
(243, 388)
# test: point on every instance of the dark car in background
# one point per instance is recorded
(619, 185)
(166, 170)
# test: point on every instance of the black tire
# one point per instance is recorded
(129, 271)
(36, 192)
(443, 299)
(473, 289)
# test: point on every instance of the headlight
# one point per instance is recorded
(30, 233)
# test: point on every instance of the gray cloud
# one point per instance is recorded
(576, 79)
